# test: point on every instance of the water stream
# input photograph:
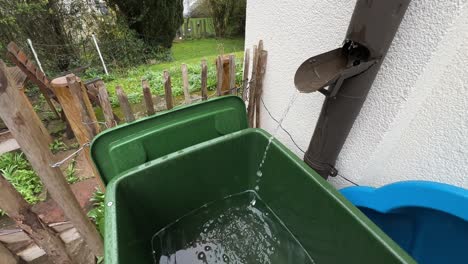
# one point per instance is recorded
(270, 140)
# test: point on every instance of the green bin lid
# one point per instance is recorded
(124, 147)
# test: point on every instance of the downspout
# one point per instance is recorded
(348, 72)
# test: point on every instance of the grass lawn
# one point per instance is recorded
(190, 52)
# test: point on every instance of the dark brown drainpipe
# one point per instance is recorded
(348, 72)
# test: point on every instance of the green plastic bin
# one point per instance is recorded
(206, 152)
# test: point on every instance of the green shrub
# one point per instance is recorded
(17, 170)
(155, 21)
(97, 213)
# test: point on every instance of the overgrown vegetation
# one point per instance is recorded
(61, 32)
(189, 52)
(17, 170)
(43, 21)
(97, 213)
(228, 17)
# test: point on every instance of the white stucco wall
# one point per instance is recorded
(414, 124)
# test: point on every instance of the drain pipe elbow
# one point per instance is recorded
(346, 75)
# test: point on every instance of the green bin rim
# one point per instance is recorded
(180, 114)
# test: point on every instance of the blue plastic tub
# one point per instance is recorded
(429, 220)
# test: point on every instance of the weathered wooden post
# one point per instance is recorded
(6, 256)
(232, 74)
(261, 69)
(168, 90)
(253, 83)
(148, 98)
(185, 82)
(106, 105)
(80, 94)
(245, 78)
(26, 127)
(125, 104)
(204, 80)
(80, 114)
(20, 211)
(226, 75)
(219, 75)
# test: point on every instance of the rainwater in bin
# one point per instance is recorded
(184, 187)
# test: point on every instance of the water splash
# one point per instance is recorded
(229, 231)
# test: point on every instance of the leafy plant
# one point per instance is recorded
(57, 146)
(14, 159)
(97, 213)
(70, 172)
(75, 145)
(17, 170)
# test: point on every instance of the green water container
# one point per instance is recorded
(160, 168)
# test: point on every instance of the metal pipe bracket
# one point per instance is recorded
(331, 68)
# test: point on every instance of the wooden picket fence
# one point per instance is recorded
(195, 29)
(77, 101)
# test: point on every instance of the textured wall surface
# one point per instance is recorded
(414, 124)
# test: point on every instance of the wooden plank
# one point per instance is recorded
(245, 78)
(25, 126)
(125, 104)
(168, 90)
(106, 105)
(148, 98)
(45, 133)
(219, 75)
(6, 256)
(33, 252)
(232, 74)
(20, 59)
(40, 75)
(253, 83)
(185, 82)
(261, 69)
(17, 235)
(204, 80)
(19, 78)
(31, 67)
(20, 211)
